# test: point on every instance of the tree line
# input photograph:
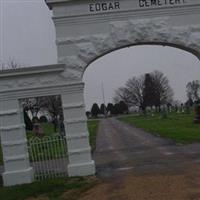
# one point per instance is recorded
(150, 90)
(111, 109)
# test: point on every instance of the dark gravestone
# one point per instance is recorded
(197, 118)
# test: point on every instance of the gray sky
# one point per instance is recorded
(27, 35)
(27, 32)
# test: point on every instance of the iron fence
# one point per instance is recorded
(48, 156)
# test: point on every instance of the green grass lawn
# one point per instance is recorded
(66, 188)
(178, 127)
(48, 130)
(92, 128)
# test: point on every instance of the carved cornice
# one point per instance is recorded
(125, 15)
(37, 77)
(48, 90)
(32, 70)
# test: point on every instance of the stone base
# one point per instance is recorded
(83, 169)
(18, 177)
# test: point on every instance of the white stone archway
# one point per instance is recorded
(85, 31)
(83, 36)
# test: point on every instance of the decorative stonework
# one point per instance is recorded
(31, 77)
(126, 33)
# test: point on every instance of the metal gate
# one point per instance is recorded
(48, 156)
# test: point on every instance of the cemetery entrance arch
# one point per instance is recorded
(86, 30)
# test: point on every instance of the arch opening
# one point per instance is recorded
(185, 68)
(168, 52)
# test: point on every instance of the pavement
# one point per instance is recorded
(135, 165)
(122, 147)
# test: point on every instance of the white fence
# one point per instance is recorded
(48, 156)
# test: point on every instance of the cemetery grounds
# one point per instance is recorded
(178, 127)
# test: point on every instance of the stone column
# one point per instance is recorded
(17, 168)
(79, 151)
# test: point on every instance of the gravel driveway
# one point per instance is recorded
(135, 165)
(121, 147)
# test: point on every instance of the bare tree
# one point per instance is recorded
(53, 105)
(2, 65)
(134, 92)
(11, 64)
(32, 105)
(193, 90)
(122, 94)
(163, 92)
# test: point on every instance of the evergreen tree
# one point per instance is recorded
(103, 109)
(116, 110)
(95, 110)
(149, 91)
(110, 108)
(123, 107)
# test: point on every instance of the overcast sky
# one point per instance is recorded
(27, 35)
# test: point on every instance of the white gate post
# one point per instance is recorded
(79, 151)
(17, 168)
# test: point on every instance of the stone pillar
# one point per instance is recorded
(17, 168)
(79, 151)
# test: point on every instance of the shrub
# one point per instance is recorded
(35, 120)
(43, 119)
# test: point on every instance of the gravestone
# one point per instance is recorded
(197, 118)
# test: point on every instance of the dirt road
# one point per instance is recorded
(121, 147)
(135, 165)
(184, 185)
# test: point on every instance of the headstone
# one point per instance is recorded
(197, 118)
(37, 130)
